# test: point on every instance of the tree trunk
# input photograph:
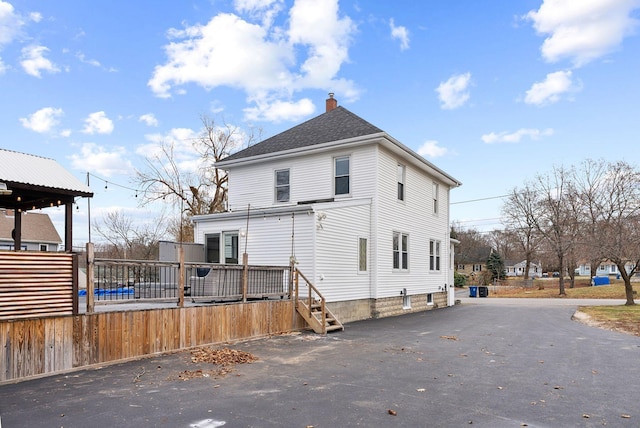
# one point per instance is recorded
(628, 288)
(561, 279)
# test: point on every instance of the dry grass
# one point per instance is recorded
(550, 289)
(618, 318)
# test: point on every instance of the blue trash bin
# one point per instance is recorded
(473, 290)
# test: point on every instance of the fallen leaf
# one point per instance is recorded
(586, 416)
(449, 337)
(392, 412)
(500, 387)
(625, 416)
(421, 390)
(558, 387)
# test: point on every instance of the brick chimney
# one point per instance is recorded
(331, 102)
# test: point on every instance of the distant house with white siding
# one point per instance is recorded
(38, 232)
(365, 217)
(517, 269)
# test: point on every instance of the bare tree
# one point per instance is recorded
(201, 190)
(518, 210)
(127, 239)
(617, 215)
(556, 214)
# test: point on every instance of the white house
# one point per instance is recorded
(514, 269)
(365, 217)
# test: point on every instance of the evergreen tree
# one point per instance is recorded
(495, 264)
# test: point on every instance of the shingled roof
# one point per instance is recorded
(335, 125)
(36, 227)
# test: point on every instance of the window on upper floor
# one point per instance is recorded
(401, 178)
(282, 188)
(477, 268)
(400, 251)
(436, 188)
(434, 255)
(342, 175)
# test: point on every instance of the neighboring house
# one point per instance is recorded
(473, 261)
(38, 232)
(365, 218)
(604, 268)
(516, 269)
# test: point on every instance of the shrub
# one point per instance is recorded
(459, 280)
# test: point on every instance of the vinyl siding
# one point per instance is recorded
(414, 217)
(268, 240)
(310, 177)
(337, 276)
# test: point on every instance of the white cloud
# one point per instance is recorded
(401, 33)
(97, 159)
(583, 30)
(3, 68)
(432, 149)
(149, 119)
(279, 110)
(33, 61)
(82, 57)
(180, 141)
(454, 92)
(35, 16)
(10, 23)
(516, 137)
(550, 90)
(270, 64)
(43, 120)
(98, 123)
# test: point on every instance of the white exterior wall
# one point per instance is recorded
(310, 178)
(268, 239)
(337, 251)
(413, 216)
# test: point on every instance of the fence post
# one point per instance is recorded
(90, 279)
(245, 276)
(74, 281)
(181, 273)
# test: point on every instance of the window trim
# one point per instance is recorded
(278, 186)
(362, 239)
(335, 176)
(400, 251)
(435, 255)
(401, 173)
(435, 196)
(45, 246)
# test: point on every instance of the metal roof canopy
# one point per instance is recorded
(34, 182)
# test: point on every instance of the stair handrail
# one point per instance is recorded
(311, 287)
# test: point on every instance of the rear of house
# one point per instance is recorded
(363, 217)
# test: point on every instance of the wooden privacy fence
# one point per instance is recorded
(33, 347)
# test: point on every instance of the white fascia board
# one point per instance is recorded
(255, 212)
(419, 161)
(349, 142)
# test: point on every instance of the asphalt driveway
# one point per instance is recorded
(486, 365)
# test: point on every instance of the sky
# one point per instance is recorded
(492, 92)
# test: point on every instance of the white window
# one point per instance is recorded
(435, 197)
(434, 255)
(477, 268)
(282, 188)
(362, 254)
(429, 299)
(231, 247)
(342, 172)
(401, 178)
(400, 251)
(44, 247)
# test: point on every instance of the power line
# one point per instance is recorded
(478, 200)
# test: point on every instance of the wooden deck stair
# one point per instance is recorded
(313, 307)
(313, 317)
